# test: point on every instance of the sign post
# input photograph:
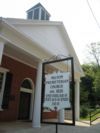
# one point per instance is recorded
(57, 91)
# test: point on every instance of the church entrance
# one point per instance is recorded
(25, 100)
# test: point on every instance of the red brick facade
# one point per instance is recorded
(19, 71)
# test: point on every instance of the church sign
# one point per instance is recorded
(57, 91)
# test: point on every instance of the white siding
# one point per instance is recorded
(49, 37)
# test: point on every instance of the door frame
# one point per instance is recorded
(31, 91)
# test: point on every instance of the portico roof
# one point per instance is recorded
(38, 39)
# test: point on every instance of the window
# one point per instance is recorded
(26, 84)
(42, 15)
(7, 90)
(47, 17)
(30, 14)
(5, 87)
(36, 13)
(2, 84)
(1, 80)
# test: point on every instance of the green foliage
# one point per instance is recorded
(93, 111)
(86, 84)
(83, 96)
(90, 87)
(97, 86)
(90, 83)
(89, 70)
(84, 111)
(97, 81)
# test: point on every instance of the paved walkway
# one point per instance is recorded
(26, 127)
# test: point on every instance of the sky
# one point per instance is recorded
(75, 14)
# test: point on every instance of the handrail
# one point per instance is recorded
(92, 115)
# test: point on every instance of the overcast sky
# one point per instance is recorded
(75, 14)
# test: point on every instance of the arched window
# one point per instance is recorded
(26, 84)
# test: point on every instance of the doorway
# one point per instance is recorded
(26, 100)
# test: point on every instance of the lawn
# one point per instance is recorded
(95, 113)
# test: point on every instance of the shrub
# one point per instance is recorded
(83, 111)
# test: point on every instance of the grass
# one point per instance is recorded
(93, 111)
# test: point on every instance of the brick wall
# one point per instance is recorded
(20, 71)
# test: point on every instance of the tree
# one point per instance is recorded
(90, 84)
(97, 86)
(97, 82)
(94, 51)
(86, 91)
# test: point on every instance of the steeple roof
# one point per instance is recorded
(36, 6)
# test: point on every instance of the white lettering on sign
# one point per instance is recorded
(57, 91)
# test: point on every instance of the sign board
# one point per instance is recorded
(57, 91)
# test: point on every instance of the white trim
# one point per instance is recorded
(1, 109)
(3, 69)
(31, 92)
(40, 13)
(1, 50)
(26, 90)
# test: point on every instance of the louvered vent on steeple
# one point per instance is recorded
(38, 12)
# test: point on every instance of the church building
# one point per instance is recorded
(24, 45)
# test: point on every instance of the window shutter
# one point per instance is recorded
(7, 90)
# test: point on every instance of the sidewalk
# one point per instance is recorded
(26, 127)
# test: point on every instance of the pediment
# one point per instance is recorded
(44, 38)
(47, 36)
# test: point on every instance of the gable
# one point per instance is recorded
(48, 37)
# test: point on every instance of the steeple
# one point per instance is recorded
(38, 12)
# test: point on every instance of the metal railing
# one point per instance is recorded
(92, 115)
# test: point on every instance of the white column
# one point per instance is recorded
(31, 104)
(61, 116)
(37, 100)
(2, 89)
(1, 50)
(77, 99)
